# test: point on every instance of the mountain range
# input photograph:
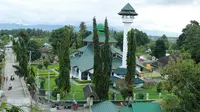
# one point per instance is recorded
(155, 33)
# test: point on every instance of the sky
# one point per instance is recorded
(154, 16)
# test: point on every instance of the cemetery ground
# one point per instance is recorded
(77, 88)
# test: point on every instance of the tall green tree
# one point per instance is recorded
(160, 49)
(97, 60)
(57, 37)
(131, 63)
(33, 46)
(64, 61)
(106, 65)
(20, 49)
(184, 75)
(165, 39)
(82, 32)
(189, 40)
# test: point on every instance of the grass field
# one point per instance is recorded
(79, 94)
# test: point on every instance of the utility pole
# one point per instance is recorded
(49, 87)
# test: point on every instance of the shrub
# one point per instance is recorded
(141, 96)
(124, 93)
(82, 81)
(56, 80)
(55, 92)
(159, 87)
(39, 66)
(57, 68)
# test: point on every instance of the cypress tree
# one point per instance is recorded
(107, 64)
(97, 60)
(64, 61)
(131, 63)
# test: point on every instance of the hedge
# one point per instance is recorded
(57, 68)
(82, 81)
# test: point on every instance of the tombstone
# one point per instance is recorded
(58, 97)
(160, 95)
(134, 96)
(147, 96)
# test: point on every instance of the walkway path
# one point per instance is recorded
(17, 96)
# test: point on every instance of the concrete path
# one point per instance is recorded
(17, 95)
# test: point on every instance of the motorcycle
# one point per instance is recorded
(10, 88)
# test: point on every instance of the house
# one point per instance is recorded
(142, 107)
(82, 60)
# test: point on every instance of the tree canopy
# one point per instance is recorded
(190, 40)
(160, 49)
(183, 75)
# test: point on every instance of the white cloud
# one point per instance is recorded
(170, 18)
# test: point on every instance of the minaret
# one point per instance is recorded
(127, 13)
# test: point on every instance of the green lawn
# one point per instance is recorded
(79, 94)
(152, 92)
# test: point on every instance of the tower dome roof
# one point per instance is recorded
(100, 27)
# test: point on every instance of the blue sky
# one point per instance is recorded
(155, 16)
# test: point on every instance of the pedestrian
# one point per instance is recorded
(6, 78)
(75, 105)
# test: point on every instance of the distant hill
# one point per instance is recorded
(171, 39)
(19, 26)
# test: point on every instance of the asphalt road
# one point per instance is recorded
(16, 95)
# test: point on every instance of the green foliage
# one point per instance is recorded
(141, 38)
(189, 40)
(159, 87)
(55, 92)
(164, 38)
(83, 32)
(24, 35)
(39, 66)
(160, 49)
(42, 84)
(124, 93)
(46, 63)
(97, 57)
(64, 60)
(184, 75)
(35, 49)
(59, 35)
(131, 63)
(170, 103)
(20, 48)
(10, 108)
(141, 95)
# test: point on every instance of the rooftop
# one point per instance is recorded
(128, 10)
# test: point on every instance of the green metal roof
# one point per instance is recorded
(101, 38)
(115, 50)
(125, 109)
(127, 10)
(142, 107)
(86, 60)
(149, 107)
(116, 62)
(122, 71)
(106, 106)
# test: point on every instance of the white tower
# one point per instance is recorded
(127, 13)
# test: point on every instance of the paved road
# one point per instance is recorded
(16, 96)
